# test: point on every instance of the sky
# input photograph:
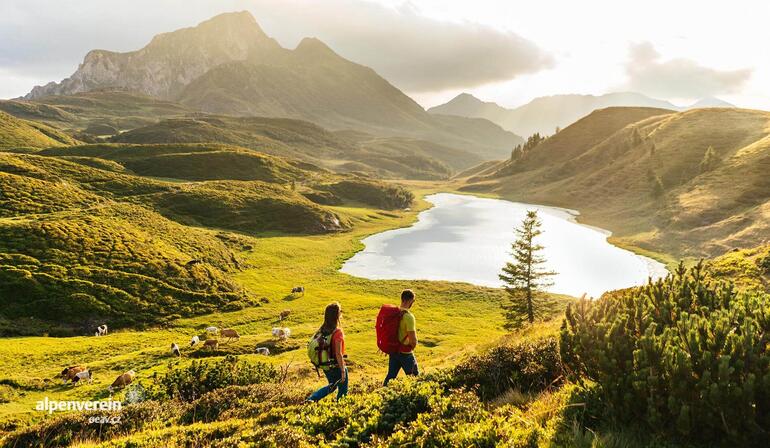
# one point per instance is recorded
(504, 51)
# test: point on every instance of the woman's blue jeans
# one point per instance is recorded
(332, 375)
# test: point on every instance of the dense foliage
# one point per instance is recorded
(430, 411)
(193, 381)
(377, 194)
(684, 356)
(524, 367)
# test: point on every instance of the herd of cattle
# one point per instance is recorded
(77, 374)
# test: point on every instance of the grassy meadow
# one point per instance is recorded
(454, 320)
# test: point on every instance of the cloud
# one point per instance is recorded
(48, 39)
(678, 78)
(414, 52)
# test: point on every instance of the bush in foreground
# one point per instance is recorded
(685, 356)
(526, 367)
(200, 377)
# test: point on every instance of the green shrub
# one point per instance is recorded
(527, 366)
(241, 402)
(684, 356)
(460, 420)
(377, 194)
(64, 429)
(355, 419)
(764, 265)
(192, 382)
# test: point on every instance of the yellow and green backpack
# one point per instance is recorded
(320, 350)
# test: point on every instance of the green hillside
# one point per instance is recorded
(115, 109)
(90, 233)
(17, 133)
(66, 271)
(394, 157)
(747, 268)
(192, 161)
(244, 206)
(647, 181)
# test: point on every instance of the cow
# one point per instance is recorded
(298, 290)
(175, 350)
(262, 351)
(230, 334)
(213, 344)
(284, 314)
(101, 330)
(84, 375)
(282, 333)
(69, 373)
(212, 330)
(122, 380)
(194, 340)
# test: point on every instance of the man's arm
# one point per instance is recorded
(411, 339)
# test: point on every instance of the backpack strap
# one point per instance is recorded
(400, 317)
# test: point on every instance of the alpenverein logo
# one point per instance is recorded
(52, 406)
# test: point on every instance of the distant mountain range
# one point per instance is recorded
(545, 114)
(228, 65)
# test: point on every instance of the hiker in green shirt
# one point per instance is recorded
(407, 335)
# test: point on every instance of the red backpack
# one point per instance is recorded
(388, 320)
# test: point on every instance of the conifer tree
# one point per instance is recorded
(525, 279)
(710, 160)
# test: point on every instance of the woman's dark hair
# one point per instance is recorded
(331, 317)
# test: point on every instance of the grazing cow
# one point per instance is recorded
(298, 290)
(194, 340)
(175, 350)
(262, 351)
(284, 314)
(229, 333)
(84, 375)
(70, 372)
(212, 330)
(122, 381)
(101, 330)
(213, 344)
(282, 333)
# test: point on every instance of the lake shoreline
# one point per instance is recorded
(481, 229)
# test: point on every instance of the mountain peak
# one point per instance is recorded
(466, 98)
(710, 101)
(226, 26)
(170, 61)
(312, 45)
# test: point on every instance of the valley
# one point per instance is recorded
(215, 178)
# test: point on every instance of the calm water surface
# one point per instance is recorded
(467, 239)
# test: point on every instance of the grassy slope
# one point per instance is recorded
(343, 151)
(747, 268)
(193, 161)
(17, 133)
(610, 179)
(119, 109)
(454, 319)
(81, 244)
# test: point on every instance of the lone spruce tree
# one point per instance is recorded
(525, 279)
